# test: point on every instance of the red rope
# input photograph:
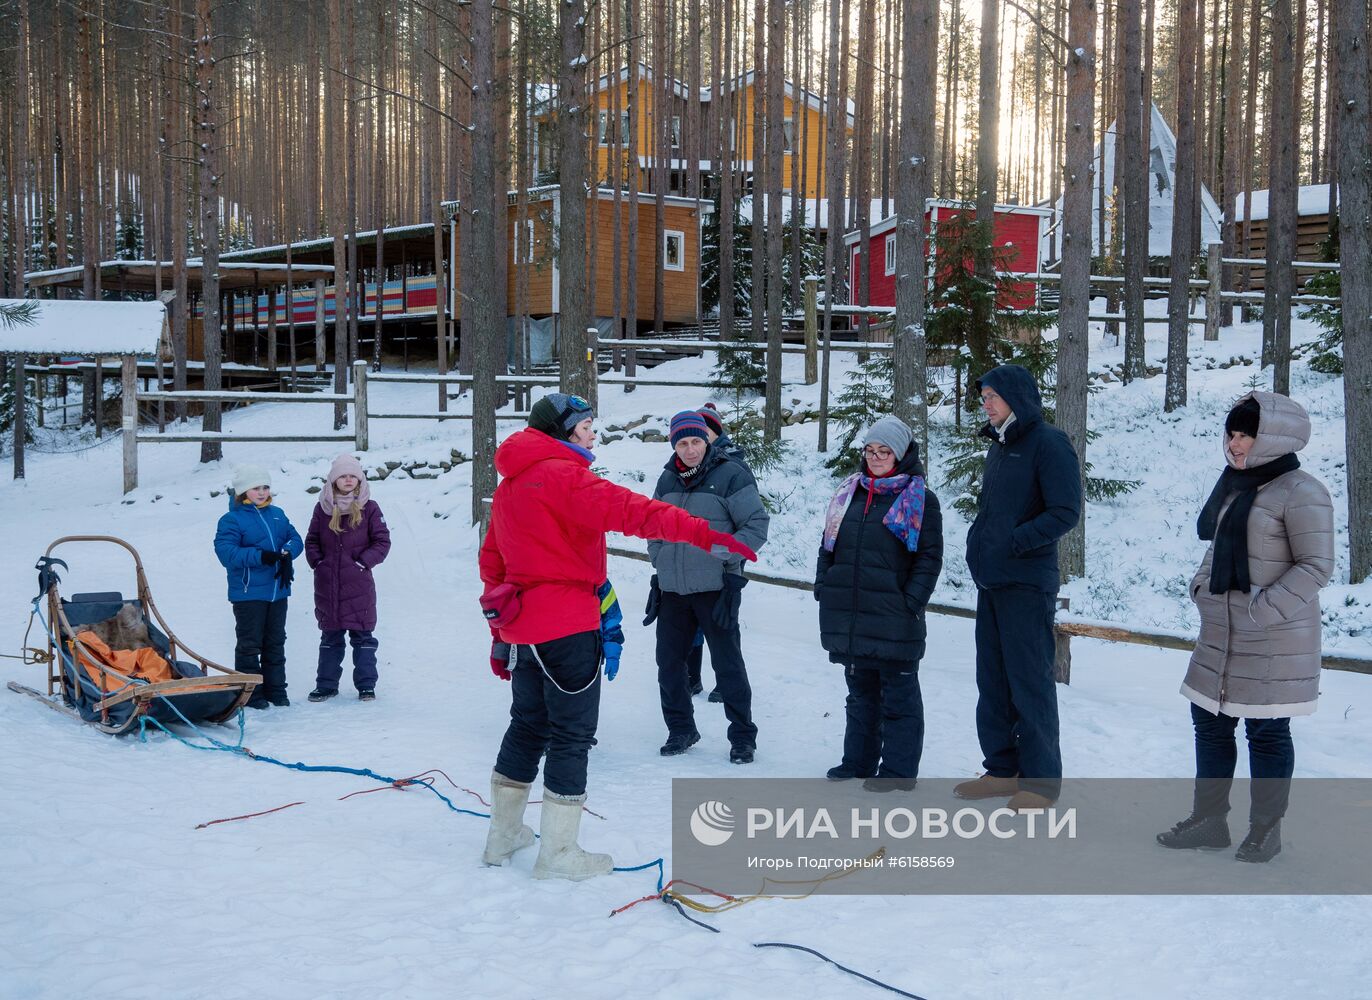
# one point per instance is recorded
(234, 819)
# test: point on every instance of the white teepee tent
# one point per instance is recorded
(1162, 164)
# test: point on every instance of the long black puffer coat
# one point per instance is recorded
(871, 590)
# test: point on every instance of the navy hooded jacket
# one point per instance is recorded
(1030, 492)
(243, 534)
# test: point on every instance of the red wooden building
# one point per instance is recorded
(1017, 233)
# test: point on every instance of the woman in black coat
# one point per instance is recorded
(880, 558)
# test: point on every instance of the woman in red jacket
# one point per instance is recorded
(542, 561)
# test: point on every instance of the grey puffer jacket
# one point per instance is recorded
(1258, 656)
(725, 494)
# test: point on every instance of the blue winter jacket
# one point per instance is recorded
(244, 533)
(1030, 492)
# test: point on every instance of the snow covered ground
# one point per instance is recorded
(111, 889)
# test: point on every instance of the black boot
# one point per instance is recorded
(1197, 831)
(847, 772)
(1263, 842)
(678, 743)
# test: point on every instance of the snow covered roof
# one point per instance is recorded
(78, 326)
(816, 210)
(1162, 186)
(320, 242)
(1311, 199)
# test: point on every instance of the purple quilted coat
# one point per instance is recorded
(344, 592)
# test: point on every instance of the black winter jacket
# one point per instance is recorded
(1030, 492)
(871, 590)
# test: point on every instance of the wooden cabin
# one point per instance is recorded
(1017, 233)
(1312, 228)
(679, 255)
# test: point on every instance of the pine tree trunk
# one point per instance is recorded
(835, 259)
(378, 189)
(207, 151)
(1281, 207)
(90, 228)
(336, 171)
(776, 44)
(1183, 238)
(914, 171)
(483, 312)
(575, 372)
(988, 163)
(862, 160)
(757, 112)
(1229, 151)
(1129, 149)
(725, 95)
(1076, 257)
(1349, 31)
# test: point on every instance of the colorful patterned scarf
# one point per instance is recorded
(904, 517)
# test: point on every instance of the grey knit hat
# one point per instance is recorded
(892, 433)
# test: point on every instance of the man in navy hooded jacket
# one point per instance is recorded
(1030, 497)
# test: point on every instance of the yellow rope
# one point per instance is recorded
(733, 902)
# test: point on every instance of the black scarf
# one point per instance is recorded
(1229, 566)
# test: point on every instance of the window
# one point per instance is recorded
(676, 131)
(674, 250)
(603, 136)
(891, 254)
(788, 135)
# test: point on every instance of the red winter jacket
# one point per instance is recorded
(547, 534)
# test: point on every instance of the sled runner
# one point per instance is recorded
(115, 659)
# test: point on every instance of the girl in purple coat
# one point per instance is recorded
(346, 541)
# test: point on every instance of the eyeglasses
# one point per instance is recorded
(873, 452)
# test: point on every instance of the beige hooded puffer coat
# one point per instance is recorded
(1258, 656)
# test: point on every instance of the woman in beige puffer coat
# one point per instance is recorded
(1271, 527)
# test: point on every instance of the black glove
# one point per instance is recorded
(654, 601)
(285, 569)
(270, 558)
(730, 597)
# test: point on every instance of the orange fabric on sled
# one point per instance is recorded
(138, 664)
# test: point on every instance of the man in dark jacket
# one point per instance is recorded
(1030, 497)
(694, 590)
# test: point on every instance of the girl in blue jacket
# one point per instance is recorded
(257, 544)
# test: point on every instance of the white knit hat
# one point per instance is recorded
(245, 477)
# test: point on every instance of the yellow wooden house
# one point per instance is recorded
(803, 130)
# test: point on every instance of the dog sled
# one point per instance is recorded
(115, 660)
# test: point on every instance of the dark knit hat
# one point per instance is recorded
(557, 414)
(711, 417)
(1244, 418)
(687, 423)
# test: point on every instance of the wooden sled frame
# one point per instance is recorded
(124, 690)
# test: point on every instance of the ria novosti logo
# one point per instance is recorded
(712, 823)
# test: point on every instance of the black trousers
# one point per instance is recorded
(554, 710)
(260, 628)
(1017, 699)
(884, 735)
(1271, 762)
(678, 618)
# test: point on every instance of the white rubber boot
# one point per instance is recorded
(508, 832)
(559, 856)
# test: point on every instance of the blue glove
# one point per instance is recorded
(611, 630)
(612, 652)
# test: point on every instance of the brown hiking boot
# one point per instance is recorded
(987, 786)
(1021, 801)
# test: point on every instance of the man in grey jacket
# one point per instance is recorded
(697, 590)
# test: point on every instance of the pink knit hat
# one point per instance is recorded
(345, 465)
